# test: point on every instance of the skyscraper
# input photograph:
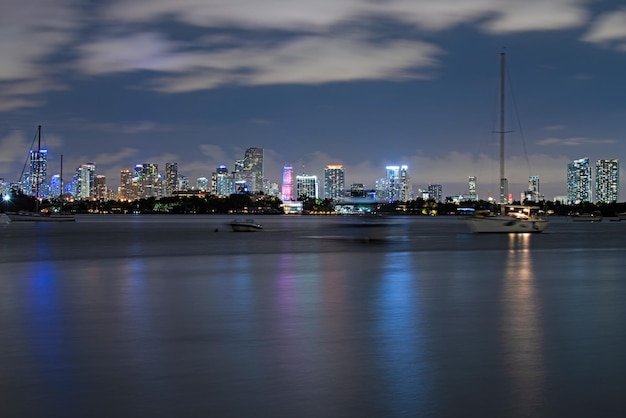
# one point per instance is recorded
(307, 186)
(471, 182)
(85, 181)
(578, 181)
(38, 172)
(334, 182)
(222, 181)
(287, 188)
(100, 187)
(607, 181)
(435, 192)
(171, 178)
(533, 194)
(253, 163)
(126, 185)
(396, 186)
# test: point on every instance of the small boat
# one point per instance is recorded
(516, 218)
(588, 217)
(621, 216)
(512, 218)
(245, 225)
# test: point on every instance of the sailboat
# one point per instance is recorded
(512, 218)
(37, 215)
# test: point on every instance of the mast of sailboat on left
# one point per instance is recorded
(37, 215)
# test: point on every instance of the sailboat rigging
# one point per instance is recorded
(37, 215)
(512, 218)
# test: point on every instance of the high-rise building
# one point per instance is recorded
(84, 187)
(150, 181)
(396, 186)
(435, 192)
(471, 182)
(249, 171)
(607, 181)
(126, 185)
(334, 182)
(357, 190)
(202, 184)
(171, 178)
(222, 182)
(533, 193)
(578, 181)
(38, 172)
(286, 194)
(307, 186)
(100, 187)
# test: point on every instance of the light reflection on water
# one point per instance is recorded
(430, 323)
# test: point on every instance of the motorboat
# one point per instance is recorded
(245, 225)
(516, 218)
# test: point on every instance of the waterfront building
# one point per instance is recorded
(607, 181)
(222, 181)
(357, 190)
(150, 181)
(55, 186)
(248, 173)
(183, 183)
(472, 191)
(84, 184)
(171, 178)
(578, 181)
(287, 187)
(100, 187)
(38, 172)
(306, 186)
(533, 194)
(126, 185)
(334, 182)
(435, 192)
(202, 184)
(396, 186)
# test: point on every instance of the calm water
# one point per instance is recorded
(163, 316)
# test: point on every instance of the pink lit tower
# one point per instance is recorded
(287, 190)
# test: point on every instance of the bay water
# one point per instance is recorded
(167, 315)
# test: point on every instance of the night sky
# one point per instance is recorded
(355, 82)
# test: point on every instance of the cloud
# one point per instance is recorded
(575, 141)
(609, 29)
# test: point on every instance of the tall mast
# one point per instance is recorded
(61, 179)
(503, 180)
(38, 177)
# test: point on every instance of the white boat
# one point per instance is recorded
(245, 225)
(516, 218)
(24, 216)
(37, 215)
(512, 219)
(621, 216)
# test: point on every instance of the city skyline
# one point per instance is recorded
(348, 82)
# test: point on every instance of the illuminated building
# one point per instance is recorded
(150, 182)
(396, 186)
(126, 185)
(287, 188)
(84, 184)
(334, 182)
(248, 173)
(222, 182)
(171, 178)
(435, 192)
(202, 184)
(307, 186)
(578, 181)
(38, 172)
(100, 187)
(607, 181)
(471, 182)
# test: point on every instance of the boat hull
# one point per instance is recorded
(245, 226)
(505, 224)
(39, 217)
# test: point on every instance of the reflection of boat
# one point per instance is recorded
(512, 218)
(588, 217)
(37, 215)
(516, 218)
(245, 225)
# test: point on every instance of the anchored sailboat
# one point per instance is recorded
(512, 218)
(37, 215)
